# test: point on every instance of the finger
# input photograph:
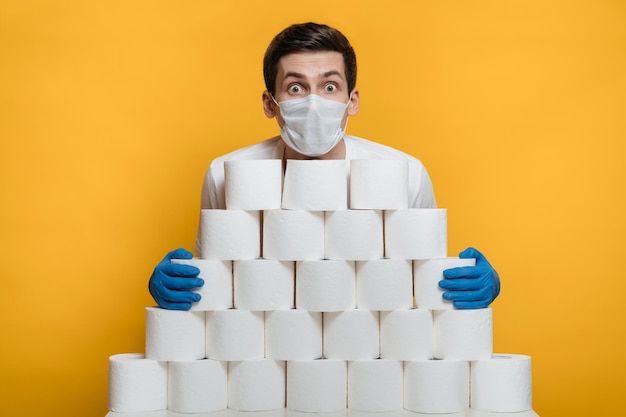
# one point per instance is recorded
(463, 272)
(461, 284)
(179, 270)
(174, 306)
(470, 305)
(177, 283)
(176, 296)
(473, 295)
(473, 253)
(179, 253)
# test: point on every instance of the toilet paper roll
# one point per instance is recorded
(174, 335)
(479, 413)
(351, 335)
(230, 234)
(502, 383)
(264, 284)
(282, 412)
(136, 384)
(463, 334)
(416, 234)
(315, 185)
(436, 386)
(379, 184)
(354, 234)
(384, 284)
(256, 385)
(293, 335)
(292, 235)
(317, 386)
(235, 335)
(325, 285)
(427, 273)
(375, 385)
(406, 335)
(217, 291)
(199, 386)
(253, 184)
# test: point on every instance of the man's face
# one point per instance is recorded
(302, 73)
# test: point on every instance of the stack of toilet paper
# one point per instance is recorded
(321, 294)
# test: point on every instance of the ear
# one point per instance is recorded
(269, 107)
(353, 107)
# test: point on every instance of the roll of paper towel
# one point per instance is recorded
(217, 291)
(315, 185)
(253, 184)
(502, 383)
(379, 184)
(292, 235)
(436, 386)
(416, 233)
(136, 384)
(351, 335)
(406, 335)
(317, 386)
(325, 285)
(463, 334)
(199, 386)
(230, 234)
(375, 385)
(256, 385)
(427, 273)
(173, 335)
(293, 334)
(235, 335)
(264, 284)
(384, 284)
(354, 234)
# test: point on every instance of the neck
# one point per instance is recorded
(338, 152)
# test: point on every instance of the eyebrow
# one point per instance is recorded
(326, 74)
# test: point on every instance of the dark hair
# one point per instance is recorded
(308, 37)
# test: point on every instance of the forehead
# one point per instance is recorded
(311, 65)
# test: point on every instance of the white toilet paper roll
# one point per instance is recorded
(384, 284)
(264, 284)
(351, 335)
(293, 335)
(354, 234)
(315, 185)
(436, 386)
(480, 413)
(317, 386)
(502, 383)
(325, 285)
(406, 335)
(463, 334)
(416, 234)
(256, 385)
(217, 291)
(375, 385)
(230, 234)
(426, 275)
(199, 386)
(379, 184)
(235, 335)
(253, 184)
(174, 335)
(136, 384)
(292, 235)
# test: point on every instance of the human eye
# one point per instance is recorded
(330, 88)
(295, 89)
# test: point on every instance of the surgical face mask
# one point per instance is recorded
(312, 124)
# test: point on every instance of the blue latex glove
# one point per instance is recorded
(169, 282)
(471, 286)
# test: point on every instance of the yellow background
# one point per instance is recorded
(111, 112)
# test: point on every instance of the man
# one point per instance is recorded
(310, 76)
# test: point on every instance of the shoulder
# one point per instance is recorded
(267, 149)
(359, 148)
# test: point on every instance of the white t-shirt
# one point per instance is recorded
(421, 194)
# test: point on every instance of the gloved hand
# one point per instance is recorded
(471, 286)
(169, 282)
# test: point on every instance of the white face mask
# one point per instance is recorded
(312, 124)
